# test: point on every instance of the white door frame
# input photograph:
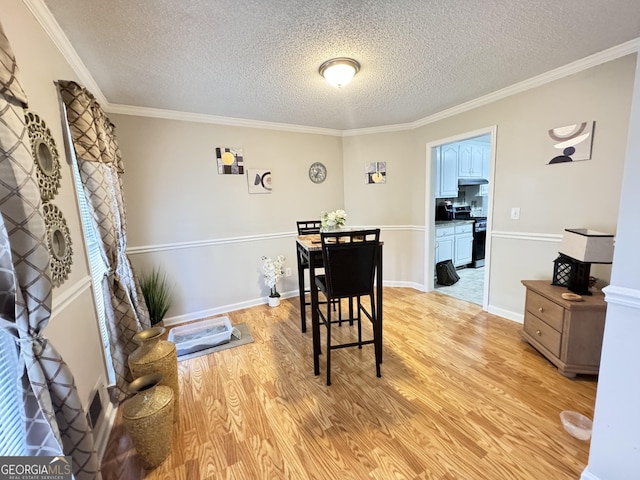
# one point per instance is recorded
(430, 206)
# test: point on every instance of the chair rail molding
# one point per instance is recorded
(252, 238)
(536, 237)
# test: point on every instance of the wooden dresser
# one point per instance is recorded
(568, 333)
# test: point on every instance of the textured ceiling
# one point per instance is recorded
(259, 59)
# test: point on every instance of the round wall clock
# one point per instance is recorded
(317, 172)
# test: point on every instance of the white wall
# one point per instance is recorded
(615, 446)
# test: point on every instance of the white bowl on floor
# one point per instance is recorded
(576, 424)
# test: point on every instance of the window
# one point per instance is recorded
(97, 264)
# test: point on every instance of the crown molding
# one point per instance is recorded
(594, 60)
(613, 53)
(44, 17)
(51, 26)
(203, 118)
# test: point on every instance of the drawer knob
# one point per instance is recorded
(538, 332)
(540, 309)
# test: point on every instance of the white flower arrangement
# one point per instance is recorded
(273, 270)
(333, 219)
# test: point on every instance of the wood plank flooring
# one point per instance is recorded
(461, 397)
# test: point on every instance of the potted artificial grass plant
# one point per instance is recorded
(157, 294)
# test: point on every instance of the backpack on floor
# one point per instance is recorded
(446, 273)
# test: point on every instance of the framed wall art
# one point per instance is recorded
(230, 161)
(375, 172)
(259, 180)
(571, 142)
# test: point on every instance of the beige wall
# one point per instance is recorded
(551, 197)
(209, 233)
(204, 229)
(73, 328)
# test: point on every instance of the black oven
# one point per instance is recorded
(479, 242)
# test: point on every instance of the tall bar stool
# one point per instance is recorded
(350, 265)
(307, 227)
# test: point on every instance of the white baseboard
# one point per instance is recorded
(210, 312)
(587, 475)
(103, 430)
(414, 285)
(172, 321)
(508, 314)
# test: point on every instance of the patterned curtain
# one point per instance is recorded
(100, 165)
(55, 422)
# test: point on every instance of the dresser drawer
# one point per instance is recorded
(542, 333)
(545, 310)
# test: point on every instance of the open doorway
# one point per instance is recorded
(459, 196)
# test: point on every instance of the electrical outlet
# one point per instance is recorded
(515, 213)
(287, 272)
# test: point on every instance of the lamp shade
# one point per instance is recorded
(587, 246)
(339, 71)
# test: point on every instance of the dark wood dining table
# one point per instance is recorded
(309, 249)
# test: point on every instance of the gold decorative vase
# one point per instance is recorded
(148, 417)
(156, 355)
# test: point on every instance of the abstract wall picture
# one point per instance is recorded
(375, 172)
(230, 161)
(259, 180)
(571, 142)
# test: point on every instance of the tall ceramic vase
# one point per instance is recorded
(155, 355)
(148, 417)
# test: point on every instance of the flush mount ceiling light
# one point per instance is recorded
(339, 71)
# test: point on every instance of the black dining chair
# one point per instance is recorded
(308, 227)
(350, 266)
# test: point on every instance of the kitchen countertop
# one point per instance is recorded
(453, 222)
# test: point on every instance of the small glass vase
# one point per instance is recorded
(331, 228)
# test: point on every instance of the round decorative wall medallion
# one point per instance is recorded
(59, 244)
(45, 154)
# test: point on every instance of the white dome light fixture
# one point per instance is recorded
(339, 71)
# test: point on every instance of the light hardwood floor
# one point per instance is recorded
(461, 397)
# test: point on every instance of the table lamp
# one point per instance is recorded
(585, 247)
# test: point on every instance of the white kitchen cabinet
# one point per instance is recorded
(483, 191)
(463, 244)
(454, 241)
(486, 162)
(447, 171)
(471, 159)
(445, 239)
